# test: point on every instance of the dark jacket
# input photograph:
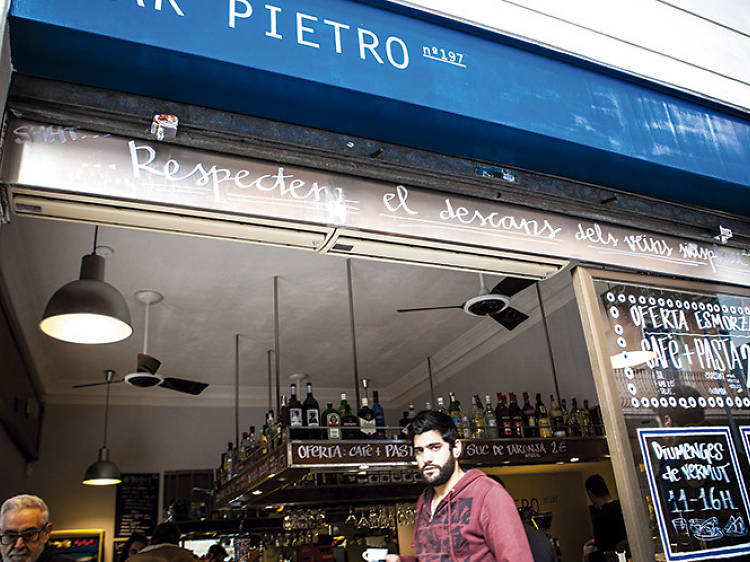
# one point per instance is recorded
(476, 522)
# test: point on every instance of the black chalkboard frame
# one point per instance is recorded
(704, 554)
(745, 432)
(120, 512)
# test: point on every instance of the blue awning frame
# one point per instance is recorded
(520, 107)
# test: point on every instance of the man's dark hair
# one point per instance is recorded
(427, 420)
(217, 551)
(166, 533)
(596, 486)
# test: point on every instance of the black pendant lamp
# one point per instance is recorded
(103, 472)
(87, 310)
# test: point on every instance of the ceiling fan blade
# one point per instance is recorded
(511, 285)
(147, 364)
(96, 383)
(509, 317)
(183, 385)
(428, 308)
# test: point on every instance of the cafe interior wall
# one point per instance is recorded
(140, 439)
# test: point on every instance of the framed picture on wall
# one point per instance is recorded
(81, 545)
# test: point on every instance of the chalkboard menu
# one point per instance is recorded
(137, 504)
(745, 430)
(698, 492)
(80, 545)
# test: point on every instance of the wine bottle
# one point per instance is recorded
(529, 418)
(311, 414)
(332, 420)
(490, 421)
(502, 414)
(367, 424)
(377, 410)
(349, 422)
(294, 408)
(556, 418)
(574, 424)
(585, 420)
(454, 411)
(542, 418)
(479, 429)
(441, 405)
(516, 416)
(403, 423)
(597, 424)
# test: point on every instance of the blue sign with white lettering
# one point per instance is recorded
(360, 69)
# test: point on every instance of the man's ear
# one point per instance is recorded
(458, 448)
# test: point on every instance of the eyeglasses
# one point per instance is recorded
(28, 536)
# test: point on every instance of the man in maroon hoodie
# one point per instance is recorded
(461, 516)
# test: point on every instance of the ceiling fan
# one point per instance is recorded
(145, 375)
(494, 303)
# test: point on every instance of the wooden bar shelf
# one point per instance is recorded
(262, 481)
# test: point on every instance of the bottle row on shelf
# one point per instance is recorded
(506, 419)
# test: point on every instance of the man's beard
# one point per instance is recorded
(18, 553)
(444, 472)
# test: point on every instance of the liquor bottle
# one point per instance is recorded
(454, 411)
(530, 428)
(403, 423)
(597, 424)
(269, 431)
(412, 410)
(344, 407)
(311, 414)
(332, 420)
(377, 410)
(574, 424)
(242, 453)
(349, 422)
(228, 461)
(252, 443)
(367, 427)
(502, 415)
(542, 418)
(467, 425)
(428, 406)
(556, 418)
(294, 408)
(566, 417)
(441, 405)
(585, 417)
(490, 421)
(479, 429)
(222, 470)
(516, 416)
(282, 419)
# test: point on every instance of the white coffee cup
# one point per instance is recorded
(375, 554)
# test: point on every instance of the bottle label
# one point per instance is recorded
(367, 427)
(491, 421)
(313, 418)
(508, 429)
(295, 417)
(333, 421)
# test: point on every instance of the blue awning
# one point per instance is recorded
(360, 69)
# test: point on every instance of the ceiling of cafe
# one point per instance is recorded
(215, 289)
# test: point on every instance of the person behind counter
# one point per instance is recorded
(25, 530)
(606, 518)
(163, 547)
(132, 546)
(460, 515)
(216, 553)
(539, 543)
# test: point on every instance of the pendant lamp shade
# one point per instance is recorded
(102, 472)
(88, 310)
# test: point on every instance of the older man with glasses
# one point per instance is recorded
(24, 530)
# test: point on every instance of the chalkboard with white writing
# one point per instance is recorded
(698, 492)
(137, 504)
